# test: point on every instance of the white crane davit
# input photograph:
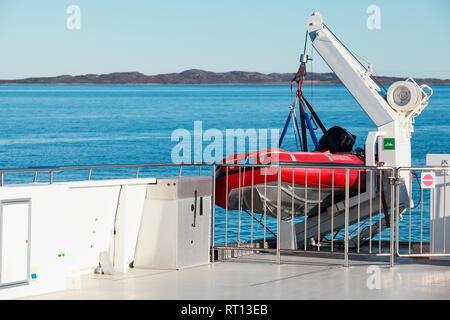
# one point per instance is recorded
(319, 194)
(392, 112)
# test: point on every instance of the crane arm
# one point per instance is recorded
(355, 77)
(393, 113)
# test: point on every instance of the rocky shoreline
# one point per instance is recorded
(195, 76)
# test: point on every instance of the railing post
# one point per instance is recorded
(137, 172)
(226, 206)
(279, 215)
(397, 211)
(433, 217)
(392, 179)
(51, 177)
(213, 211)
(444, 218)
(347, 199)
(252, 204)
(239, 205)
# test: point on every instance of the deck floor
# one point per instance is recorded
(258, 277)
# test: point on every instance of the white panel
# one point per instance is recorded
(440, 204)
(134, 208)
(88, 224)
(438, 159)
(186, 232)
(156, 244)
(168, 237)
(193, 241)
(14, 243)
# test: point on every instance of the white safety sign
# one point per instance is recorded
(428, 180)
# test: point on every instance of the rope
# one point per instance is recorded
(420, 187)
(259, 221)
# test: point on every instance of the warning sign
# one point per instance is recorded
(428, 180)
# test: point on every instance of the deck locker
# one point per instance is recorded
(174, 230)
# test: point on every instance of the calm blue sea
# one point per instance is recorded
(73, 125)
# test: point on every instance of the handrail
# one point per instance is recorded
(421, 214)
(394, 190)
(254, 165)
(149, 165)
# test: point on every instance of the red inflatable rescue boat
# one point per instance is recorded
(237, 186)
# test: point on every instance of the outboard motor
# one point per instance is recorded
(343, 140)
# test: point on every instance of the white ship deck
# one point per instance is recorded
(258, 277)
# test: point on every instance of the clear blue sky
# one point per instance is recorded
(155, 37)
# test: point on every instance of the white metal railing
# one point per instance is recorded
(346, 208)
(52, 170)
(352, 222)
(430, 214)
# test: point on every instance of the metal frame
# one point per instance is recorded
(370, 190)
(346, 253)
(432, 212)
(17, 201)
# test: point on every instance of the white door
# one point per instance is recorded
(193, 232)
(14, 242)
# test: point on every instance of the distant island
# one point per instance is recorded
(195, 76)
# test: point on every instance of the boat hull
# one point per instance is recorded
(304, 191)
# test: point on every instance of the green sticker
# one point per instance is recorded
(389, 144)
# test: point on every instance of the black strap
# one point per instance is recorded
(322, 127)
